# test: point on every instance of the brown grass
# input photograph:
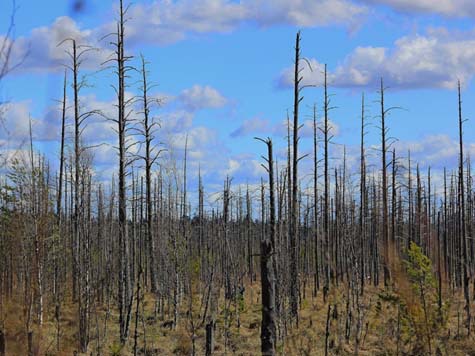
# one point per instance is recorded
(378, 335)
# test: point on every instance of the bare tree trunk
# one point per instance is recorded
(125, 295)
(150, 158)
(57, 254)
(362, 198)
(139, 276)
(326, 212)
(268, 278)
(464, 257)
(384, 188)
(316, 281)
(294, 223)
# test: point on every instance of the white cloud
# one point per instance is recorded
(252, 127)
(166, 21)
(41, 50)
(434, 60)
(437, 151)
(305, 13)
(242, 167)
(176, 123)
(450, 8)
(201, 97)
(15, 124)
(198, 138)
(105, 155)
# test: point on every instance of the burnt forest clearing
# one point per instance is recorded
(319, 256)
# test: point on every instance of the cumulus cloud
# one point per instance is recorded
(252, 127)
(164, 22)
(176, 125)
(436, 59)
(15, 125)
(437, 151)
(201, 97)
(242, 167)
(167, 21)
(41, 50)
(450, 8)
(100, 134)
(196, 138)
(305, 13)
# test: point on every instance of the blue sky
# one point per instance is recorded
(222, 67)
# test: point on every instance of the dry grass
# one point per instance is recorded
(379, 334)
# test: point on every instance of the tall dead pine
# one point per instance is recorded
(268, 277)
(125, 294)
(462, 226)
(384, 187)
(294, 219)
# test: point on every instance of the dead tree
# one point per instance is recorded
(462, 226)
(316, 280)
(147, 129)
(124, 284)
(294, 220)
(268, 277)
(80, 271)
(384, 187)
(326, 187)
(141, 249)
(57, 252)
(362, 198)
(125, 294)
(35, 210)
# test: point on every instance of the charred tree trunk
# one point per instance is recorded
(316, 280)
(326, 194)
(384, 188)
(362, 199)
(462, 226)
(294, 222)
(268, 278)
(150, 159)
(125, 295)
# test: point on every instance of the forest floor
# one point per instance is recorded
(384, 330)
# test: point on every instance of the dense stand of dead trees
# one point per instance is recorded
(66, 238)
